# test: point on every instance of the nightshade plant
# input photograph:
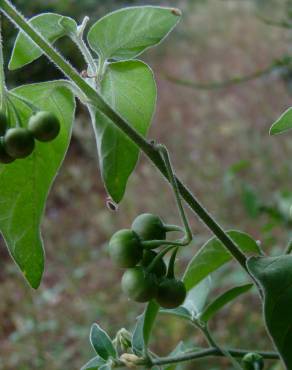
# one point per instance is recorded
(120, 93)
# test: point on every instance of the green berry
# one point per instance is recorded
(125, 248)
(139, 285)
(44, 125)
(4, 157)
(253, 361)
(149, 227)
(171, 293)
(3, 123)
(18, 142)
(160, 267)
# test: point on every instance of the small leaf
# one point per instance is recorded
(283, 123)
(274, 276)
(130, 88)
(180, 312)
(144, 327)
(94, 364)
(223, 300)
(213, 255)
(197, 297)
(126, 33)
(25, 183)
(102, 343)
(49, 26)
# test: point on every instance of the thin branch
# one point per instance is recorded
(215, 352)
(214, 85)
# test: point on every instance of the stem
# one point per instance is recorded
(169, 228)
(238, 353)
(160, 255)
(213, 343)
(79, 41)
(172, 179)
(229, 82)
(97, 102)
(170, 271)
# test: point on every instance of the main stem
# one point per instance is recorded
(97, 101)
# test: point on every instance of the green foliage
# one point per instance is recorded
(274, 277)
(222, 301)
(126, 33)
(31, 178)
(102, 343)
(283, 123)
(130, 88)
(25, 51)
(213, 255)
(121, 98)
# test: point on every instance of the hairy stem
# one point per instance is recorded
(97, 102)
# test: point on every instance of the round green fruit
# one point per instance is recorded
(18, 142)
(253, 361)
(139, 285)
(125, 248)
(4, 157)
(3, 123)
(149, 227)
(160, 267)
(44, 126)
(171, 293)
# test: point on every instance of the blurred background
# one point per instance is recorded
(221, 149)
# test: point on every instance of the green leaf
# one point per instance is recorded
(180, 312)
(274, 277)
(25, 183)
(197, 296)
(283, 123)
(130, 88)
(126, 33)
(102, 343)
(50, 27)
(94, 364)
(144, 327)
(213, 255)
(223, 300)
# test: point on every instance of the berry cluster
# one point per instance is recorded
(147, 276)
(19, 142)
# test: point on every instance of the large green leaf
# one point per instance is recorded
(102, 343)
(50, 27)
(25, 183)
(126, 33)
(283, 123)
(223, 300)
(213, 255)
(274, 277)
(130, 88)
